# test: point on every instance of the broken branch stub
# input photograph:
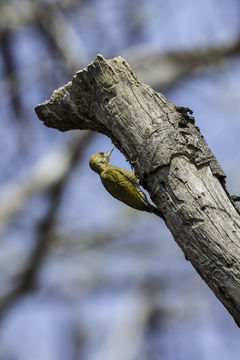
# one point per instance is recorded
(171, 159)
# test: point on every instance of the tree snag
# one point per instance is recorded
(169, 156)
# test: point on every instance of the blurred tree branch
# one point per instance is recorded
(60, 36)
(127, 328)
(171, 159)
(10, 70)
(161, 71)
(158, 70)
(46, 173)
(56, 188)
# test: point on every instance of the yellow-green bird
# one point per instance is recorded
(120, 183)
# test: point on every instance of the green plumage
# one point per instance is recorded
(120, 183)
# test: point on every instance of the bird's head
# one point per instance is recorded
(99, 160)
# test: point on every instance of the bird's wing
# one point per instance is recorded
(129, 175)
(122, 184)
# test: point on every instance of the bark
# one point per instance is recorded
(171, 159)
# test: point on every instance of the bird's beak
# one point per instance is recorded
(109, 153)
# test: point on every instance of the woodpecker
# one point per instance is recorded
(121, 183)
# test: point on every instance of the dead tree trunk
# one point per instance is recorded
(170, 158)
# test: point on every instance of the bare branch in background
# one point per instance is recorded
(13, 15)
(127, 329)
(44, 231)
(161, 71)
(46, 173)
(58, 31)
(11, 73)
(62, 38)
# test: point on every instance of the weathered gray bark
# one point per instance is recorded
(171, 159)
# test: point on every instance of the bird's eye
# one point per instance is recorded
(101, 153)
